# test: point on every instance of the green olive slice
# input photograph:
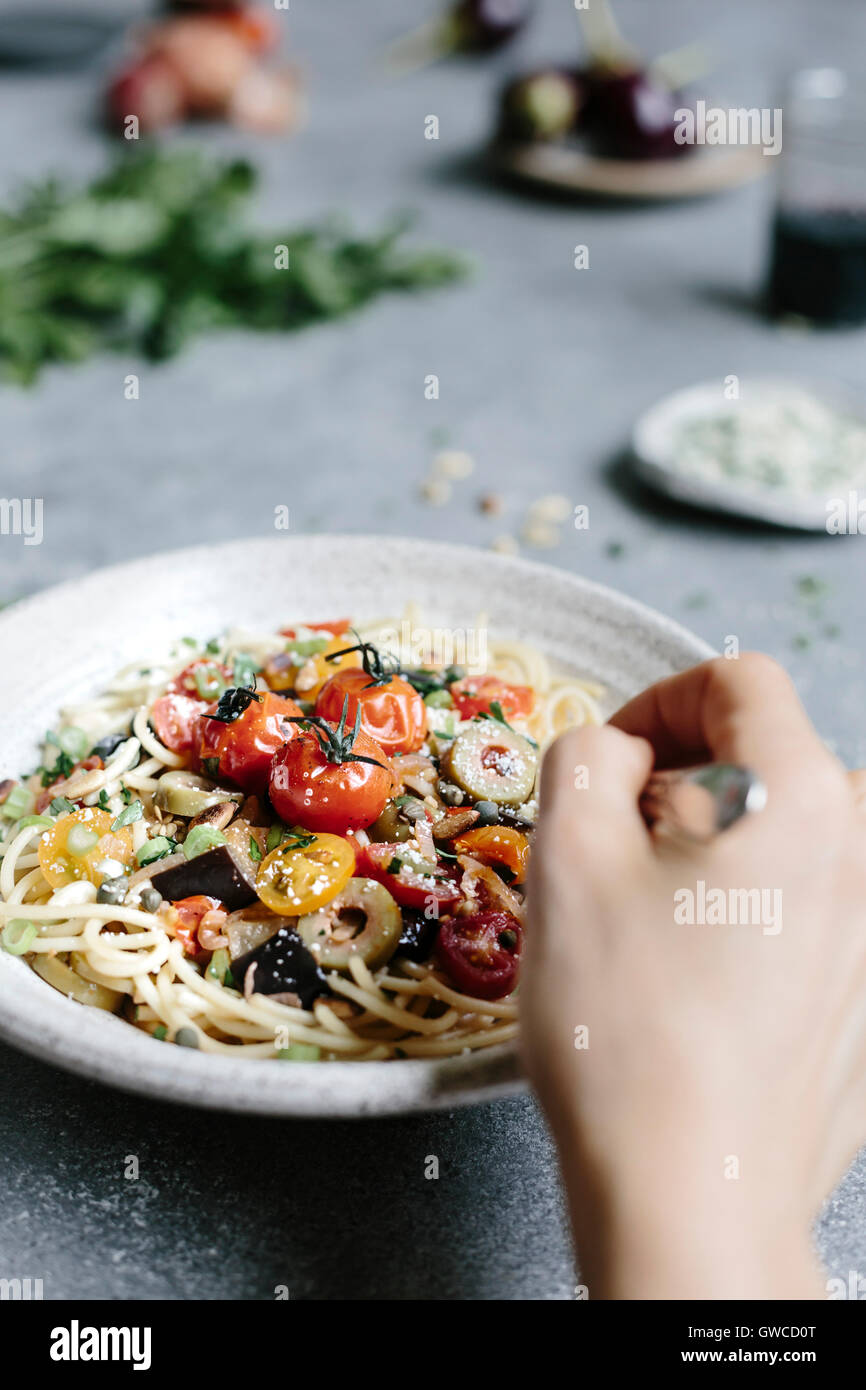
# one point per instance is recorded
(183, 793)
(492, 763)
(363, 920)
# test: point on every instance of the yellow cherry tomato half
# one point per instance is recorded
(79, 842)
(306, 680)
(295, 879)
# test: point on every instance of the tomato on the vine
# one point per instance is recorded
(240, 750)
(330, 777)
(478, 694)
(392, 711)
(481, 954)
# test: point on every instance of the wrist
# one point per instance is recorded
(668, 1213)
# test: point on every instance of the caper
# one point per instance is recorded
(363, 920)
(492, 763)
(151, 899)
(452, 795)
(186, 1037)
(488, 812)
(112, 890)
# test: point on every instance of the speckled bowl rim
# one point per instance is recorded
(37, 1019)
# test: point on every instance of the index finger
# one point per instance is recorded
(741, 710)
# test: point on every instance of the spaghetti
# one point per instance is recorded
(158, 866)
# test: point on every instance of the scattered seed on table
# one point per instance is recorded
(453, 463)
(505, 545)
(436, 491)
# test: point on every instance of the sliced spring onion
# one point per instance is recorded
(439, 699)
(157, 848)
(19, 802)
(245, 669)
(81, 840)
(60, 806)
(45, 821)
(133, 812)
(18, 936)
(73, 741)
(308, 647)
(300, 1052)
(202, 838)
(209, 681)
(219, 968)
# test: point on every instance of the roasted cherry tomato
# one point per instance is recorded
(410, 879)
(296, 878)
(481, 954)
(241, 752)
(176, 721)
(308, 789)
(203, 679)
(497, 845)
(78, 843)
(190, 912)
(47, 795)
(393, 713)
(476, 694)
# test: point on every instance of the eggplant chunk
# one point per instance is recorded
(218, 873)
(418, 936)
(282, 965)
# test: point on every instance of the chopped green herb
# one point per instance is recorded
(126, 795)
(61, 806)
(496, 714)
(255, 852)
(213, 646)
(61, 768)
(102, 803)
(160, 1032)
(395, 865)
(245, 669)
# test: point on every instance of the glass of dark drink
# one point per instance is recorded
(818, 263)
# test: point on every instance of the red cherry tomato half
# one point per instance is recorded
(335, 627)
(241, 752)
(393, 714)
(176, 719)
(475, 695)
(481, 953)
(409, 878)
(190, 911)
(307, 789)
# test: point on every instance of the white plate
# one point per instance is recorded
(653, 443)
(66, 643)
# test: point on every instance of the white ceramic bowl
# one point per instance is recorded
(66, 643)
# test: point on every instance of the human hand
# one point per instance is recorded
(720, 1091)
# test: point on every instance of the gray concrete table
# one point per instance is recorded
(542, 370)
